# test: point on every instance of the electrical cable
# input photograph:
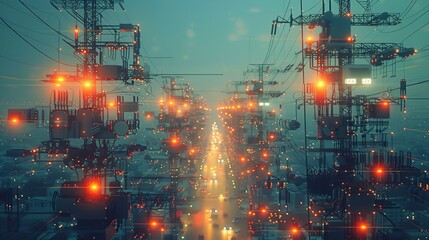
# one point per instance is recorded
(18, 78)
(14, 8)
(34, 47)
(29, 29)
(312, 7)
(412, 22)
(20, 62)
(43, 21)
(397, 88)
(270, 46)
(408, 8)
(35, 40)
(382, 30)
(411, 34)
(290, 50)
(281, 48)
(418, 12)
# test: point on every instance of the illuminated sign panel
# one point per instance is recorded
(366, 81)
(357, 74)
(350, 81)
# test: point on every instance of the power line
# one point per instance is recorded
(34, 47)
(408, 8)
(418, 12)
(19, 78)
(382, 29)
(312, 7)
(270, 46)
(40, 19)
(411, 34)
(397, 88)
(29, 29)
(281, 48)
(35, 40)
(14, 8)
(18, 61)
(412, 22)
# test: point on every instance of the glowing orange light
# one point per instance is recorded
(174, 140)
(272, 136)
(57, 85)
(294, 230)
(349, 39)
(15, 120)
(153, 223)
(243, 159)
(94, 187)
(171, 102)
(320, 84)
(87, 84)
(310, 39)
(385, 103)
(363, 227)
(60, 79)
(111, 104)
(379, 170)
(264, 210)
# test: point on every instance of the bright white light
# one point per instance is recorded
(267, 104)
(350, 81)
(366, 81)
(261, 104)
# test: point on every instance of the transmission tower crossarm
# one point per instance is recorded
(80, 4)
(365, 19)
(364, 50)
(376, 19)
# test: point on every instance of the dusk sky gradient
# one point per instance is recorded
(199, 36)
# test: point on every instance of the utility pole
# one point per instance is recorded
(90, 123)
(341, 116)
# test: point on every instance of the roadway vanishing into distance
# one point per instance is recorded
(98, 154)
(219, 215)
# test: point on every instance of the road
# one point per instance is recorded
(219, 216)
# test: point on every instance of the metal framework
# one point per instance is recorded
(335, 102)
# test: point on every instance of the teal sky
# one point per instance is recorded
(200, 36)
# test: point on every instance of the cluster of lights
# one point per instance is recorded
(388, 54)
(229, 107)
